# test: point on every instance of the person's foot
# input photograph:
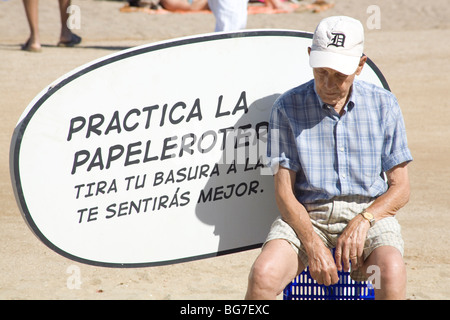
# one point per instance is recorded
(321, 5)
(69, 42)
(31, 46)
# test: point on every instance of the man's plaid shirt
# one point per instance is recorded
(337, 155)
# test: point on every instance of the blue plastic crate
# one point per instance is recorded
(304, 287)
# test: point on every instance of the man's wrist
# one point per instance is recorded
(369, 217)
(313, 245)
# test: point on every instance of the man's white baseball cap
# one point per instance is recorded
(338, 43)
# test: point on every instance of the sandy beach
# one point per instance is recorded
(410, 46)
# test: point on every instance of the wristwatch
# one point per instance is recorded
(369, 217)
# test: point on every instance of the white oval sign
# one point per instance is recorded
(154, 155)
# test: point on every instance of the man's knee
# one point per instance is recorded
(390, 263)
(393, 273)
(277, 264)
(263, 275)
(387, 271)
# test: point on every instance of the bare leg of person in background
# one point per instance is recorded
(66, 34)
(31, 9)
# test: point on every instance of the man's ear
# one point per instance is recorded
(362, 62)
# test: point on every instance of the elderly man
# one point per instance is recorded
(331, 139)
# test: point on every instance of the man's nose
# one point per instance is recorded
(329, 83)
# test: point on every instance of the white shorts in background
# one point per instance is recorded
(231, 15)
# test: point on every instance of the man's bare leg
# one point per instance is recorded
(392, 270)
(276, 266)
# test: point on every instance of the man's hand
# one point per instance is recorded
(321, 264)
(350, 244)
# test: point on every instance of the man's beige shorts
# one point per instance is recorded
(329, 219)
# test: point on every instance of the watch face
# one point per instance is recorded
(368, 215)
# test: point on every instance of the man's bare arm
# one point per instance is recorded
(321, 264)
(350, 244)
(396, 197)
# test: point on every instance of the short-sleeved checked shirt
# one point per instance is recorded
(337, 155)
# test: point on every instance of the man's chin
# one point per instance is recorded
(330, 102)
(329, 99)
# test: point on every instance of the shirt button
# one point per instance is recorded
(344, 176)
(341, 149)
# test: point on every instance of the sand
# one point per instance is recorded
(411, 47)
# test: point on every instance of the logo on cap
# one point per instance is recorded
(338, 40)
